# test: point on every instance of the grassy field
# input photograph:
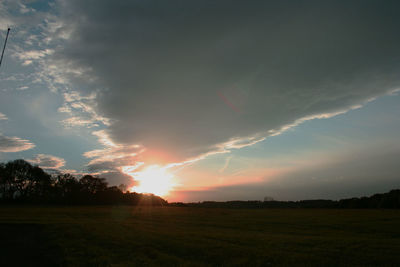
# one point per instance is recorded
(126, 236)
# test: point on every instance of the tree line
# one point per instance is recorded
(389, 200)
(22, 182)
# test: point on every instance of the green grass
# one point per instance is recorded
(126, 236)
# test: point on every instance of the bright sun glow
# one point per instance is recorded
(155, 180)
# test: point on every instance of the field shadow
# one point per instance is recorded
(27, 245)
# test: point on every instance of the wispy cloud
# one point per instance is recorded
(47, 161)
(81, 109)
(27, 57)
(113, 156)
(3, 117)
(14, 144)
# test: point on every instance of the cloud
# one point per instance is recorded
(185, 79)
(27, 57)
(47, 161)
(14, 144)
(23, 88)
(117, 178)
(79, 121)
(24, 9)
(81, 110)
(113, 157)
(3, 117)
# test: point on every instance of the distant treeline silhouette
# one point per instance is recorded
(390, 200)
(21, 182)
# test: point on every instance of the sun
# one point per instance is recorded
(155, 180)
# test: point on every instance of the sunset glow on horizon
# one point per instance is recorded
(153, 180)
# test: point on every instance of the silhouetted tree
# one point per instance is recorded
(39, 185)
(21, 182)
(18, 174)
(67, 188)
(92, 184)
(2, 180)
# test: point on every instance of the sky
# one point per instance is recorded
(206, 100)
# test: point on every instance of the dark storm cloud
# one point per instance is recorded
(193, 77)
